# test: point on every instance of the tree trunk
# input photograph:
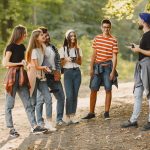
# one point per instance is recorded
(34, 13)
(5, 24)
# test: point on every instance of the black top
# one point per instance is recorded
(18, 52)
(144, 44)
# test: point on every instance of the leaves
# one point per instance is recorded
(121, 9)
(83, 16)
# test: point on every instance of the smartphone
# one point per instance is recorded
(132, 46)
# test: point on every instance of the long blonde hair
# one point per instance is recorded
(33, 43)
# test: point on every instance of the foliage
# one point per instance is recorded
(83, 16)
(121, 9)
(125, 69)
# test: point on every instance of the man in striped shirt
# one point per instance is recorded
(102, 68)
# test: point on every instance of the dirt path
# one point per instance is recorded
(95, 134)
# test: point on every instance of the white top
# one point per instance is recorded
(63, 54)
(38, 54)
(50, 56)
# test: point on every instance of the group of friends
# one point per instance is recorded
(35, 73)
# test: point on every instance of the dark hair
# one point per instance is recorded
(44, 29)
(67, 42)
(107, 21)
(17, 34)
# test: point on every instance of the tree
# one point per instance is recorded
(121, 9)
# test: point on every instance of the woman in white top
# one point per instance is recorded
(71, 60)
(36, 74)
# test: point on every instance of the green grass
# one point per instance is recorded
(126, 70)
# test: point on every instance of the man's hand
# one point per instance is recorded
(135, 48)
(112, 75)
(91, 72)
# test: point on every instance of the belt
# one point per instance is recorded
(77, 68)
(105, 65)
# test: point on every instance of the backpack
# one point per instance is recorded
(73, 58)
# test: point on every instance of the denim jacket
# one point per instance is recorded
(98, 69)
(142, 75)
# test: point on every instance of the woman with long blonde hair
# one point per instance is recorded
(36, 74)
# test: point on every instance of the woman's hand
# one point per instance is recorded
(78, 60)
(68, 59)
(46, 69)
(23, 62)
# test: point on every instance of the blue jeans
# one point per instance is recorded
(59, 95)
(23, 93)
(43, 88)
(72, 81)
(138, 97)
(102, 79)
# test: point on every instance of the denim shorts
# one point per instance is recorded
(102, 79)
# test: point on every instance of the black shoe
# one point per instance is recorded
(38, 130)
(106, 116)
(54, 91)
(13, 133)
(129, 124)
(89, 116)
(146, 127)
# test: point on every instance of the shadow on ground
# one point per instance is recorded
(95, 134)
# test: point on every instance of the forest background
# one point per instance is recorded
(82, 15)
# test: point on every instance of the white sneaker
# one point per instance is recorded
(49, 126)
(74, 120)
(68, 120)
(60, 123)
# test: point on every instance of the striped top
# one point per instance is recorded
(105, 47)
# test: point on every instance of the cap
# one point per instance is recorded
(145, 17)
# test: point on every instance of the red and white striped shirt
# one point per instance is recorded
(105, 47)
